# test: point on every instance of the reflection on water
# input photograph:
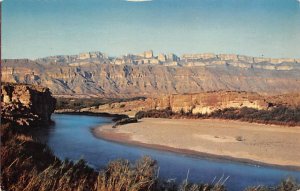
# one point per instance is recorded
(71, 138)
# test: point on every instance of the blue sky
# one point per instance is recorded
(38, 28)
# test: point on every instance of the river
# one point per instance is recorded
(71, 137)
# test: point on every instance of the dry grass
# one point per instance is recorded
(288, 184)
(120, 175)
(28, 165)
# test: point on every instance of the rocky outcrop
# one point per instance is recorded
(199, 103)
(26, 104)
(140, 75)
(208, 102)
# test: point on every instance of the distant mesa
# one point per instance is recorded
(171, 59)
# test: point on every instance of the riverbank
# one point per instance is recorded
(233, 140)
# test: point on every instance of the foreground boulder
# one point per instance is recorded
(26, 104)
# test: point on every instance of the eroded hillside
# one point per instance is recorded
(149, 75)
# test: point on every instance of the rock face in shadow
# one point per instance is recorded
(27, 105)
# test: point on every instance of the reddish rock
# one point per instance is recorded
(26, 104)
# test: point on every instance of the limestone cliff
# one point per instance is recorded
(26, 104)
(140, 75)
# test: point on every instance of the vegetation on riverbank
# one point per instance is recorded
(29, 165)
(279, 115)
(79, 103)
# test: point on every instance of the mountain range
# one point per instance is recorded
(96, 74)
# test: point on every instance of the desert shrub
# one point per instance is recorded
(239, 138)
(278, 115)
(121, 175)
(288, 184)
(29, 165)
(125, 121)
(21, 160)
(166, 113)
(79, 103)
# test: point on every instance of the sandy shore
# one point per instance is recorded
(234, 140)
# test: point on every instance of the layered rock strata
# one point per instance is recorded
(153, 76)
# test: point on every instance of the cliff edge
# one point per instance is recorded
(27, 105)
(146, 75)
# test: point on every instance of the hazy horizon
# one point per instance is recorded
(40, 28)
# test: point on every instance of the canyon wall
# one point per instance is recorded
(95, 74)
(26, 104)
(110, 80)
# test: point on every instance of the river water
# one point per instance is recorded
(71, 137)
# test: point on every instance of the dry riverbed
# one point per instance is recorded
(235, 140)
